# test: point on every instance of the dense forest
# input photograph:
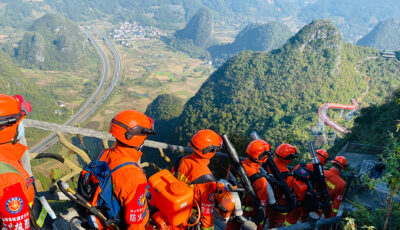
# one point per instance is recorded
(278, 93)
(254, 37)
(54, 43)
(384, 36)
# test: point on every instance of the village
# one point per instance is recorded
(132, 30)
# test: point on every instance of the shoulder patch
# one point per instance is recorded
(29, 181)
(211, 197)
(14, 205)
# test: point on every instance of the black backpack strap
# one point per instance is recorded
(285, 175)
(255, 177)
(204, 179)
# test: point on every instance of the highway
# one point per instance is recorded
(53, 139)
(323, 110)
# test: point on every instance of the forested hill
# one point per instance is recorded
(196, 36)
(12, 81)
(278, 93)
(53, 42)
(198, 29)
(254, 37)
(384, 36)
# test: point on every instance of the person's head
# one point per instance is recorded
(322, 155)
(12, 110)
(258, 150)
(286, 153)
(205, 143)
(131, 128)
(340, 162)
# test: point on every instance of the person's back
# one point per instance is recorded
(284, 155)
(129, 184)
(194, 171)
(130, 128)
(304, 207)
(335, 184)
(256, 156)
(16, 185)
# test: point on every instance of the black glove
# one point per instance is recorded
(259, 215)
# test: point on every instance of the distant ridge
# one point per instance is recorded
(384, 36)
(254, 37)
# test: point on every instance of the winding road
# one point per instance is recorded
(323, 110)
(53, 139)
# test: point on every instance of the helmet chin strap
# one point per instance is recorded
(15, 139)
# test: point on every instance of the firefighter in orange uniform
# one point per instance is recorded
(16, 185)
(130, 128)
(284, 155)
(335, 184)
(193, 170)
(256, 156)
(302, 210)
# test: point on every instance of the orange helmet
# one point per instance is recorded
(322, 155)
(257, 150)
(341, 161)
(225, 202)
(286, 153)
(205, 143)
(131, 127)
(12, 110)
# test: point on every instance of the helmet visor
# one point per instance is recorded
(137, 130)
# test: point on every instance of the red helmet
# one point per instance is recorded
(286, 153)
(341, 161)
(131, 127)
(257, 150)
(322, 155)
(12, 111)
(205, 143)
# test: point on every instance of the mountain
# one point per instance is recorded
(196, 36)
(254, 37)
(12, 81)
(278, 93)
(164, 110)
(384, 36)
(165, 107)
(198, 29)
(245, 12)
(354, 18)
(53, 43)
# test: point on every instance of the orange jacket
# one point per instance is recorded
(190, 168)
(260, 185)
(279, 195)
(260, 188)
(336, 187)
(16, 188)
(129, 185)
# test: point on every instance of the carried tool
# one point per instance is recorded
(290, 198)
(258, 208)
